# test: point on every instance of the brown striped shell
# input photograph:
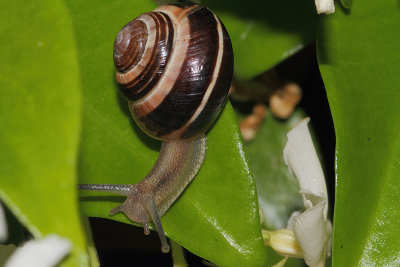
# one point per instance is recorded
(174, 65)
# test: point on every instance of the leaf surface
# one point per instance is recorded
(265, 33)
(360, 69)
(40, 111)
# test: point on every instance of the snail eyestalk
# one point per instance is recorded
(110, 188)
(152, 209)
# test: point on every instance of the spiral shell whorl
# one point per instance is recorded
(177, 79)
(129, 45)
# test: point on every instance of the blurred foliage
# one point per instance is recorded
(40, 111)
(265, 32)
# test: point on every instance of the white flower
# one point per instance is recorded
(46, 252)
(325, 6)
(311, 228)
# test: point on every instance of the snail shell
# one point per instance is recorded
(174, 65)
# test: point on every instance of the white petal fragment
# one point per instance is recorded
(46, 252)
(325, 6)
(311, 228)
(3, 225)
(300, 156)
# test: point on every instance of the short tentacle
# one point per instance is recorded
(116, 210)
(146, 228)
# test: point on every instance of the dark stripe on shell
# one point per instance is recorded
(196, 73)
(219, 94)
(148, 79)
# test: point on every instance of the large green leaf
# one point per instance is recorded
(265, 32)
(40, 120)
(359, 59)
(217, 216)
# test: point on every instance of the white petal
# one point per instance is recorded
(3, 225)
(291, 218)
(46, 252)
(300, 156)
(325, 6)
(309, 229)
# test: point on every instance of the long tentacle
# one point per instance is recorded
(155, 217)
(122, 189)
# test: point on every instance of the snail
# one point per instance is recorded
(174, 65)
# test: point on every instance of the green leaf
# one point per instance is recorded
(217, 216)
(360, 67)
(266, 32)
(347, 3)
(278, 190)
(40, 119)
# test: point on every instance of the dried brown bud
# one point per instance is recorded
(250, 125)
(283, 102)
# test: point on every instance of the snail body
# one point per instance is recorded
(174, 65)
